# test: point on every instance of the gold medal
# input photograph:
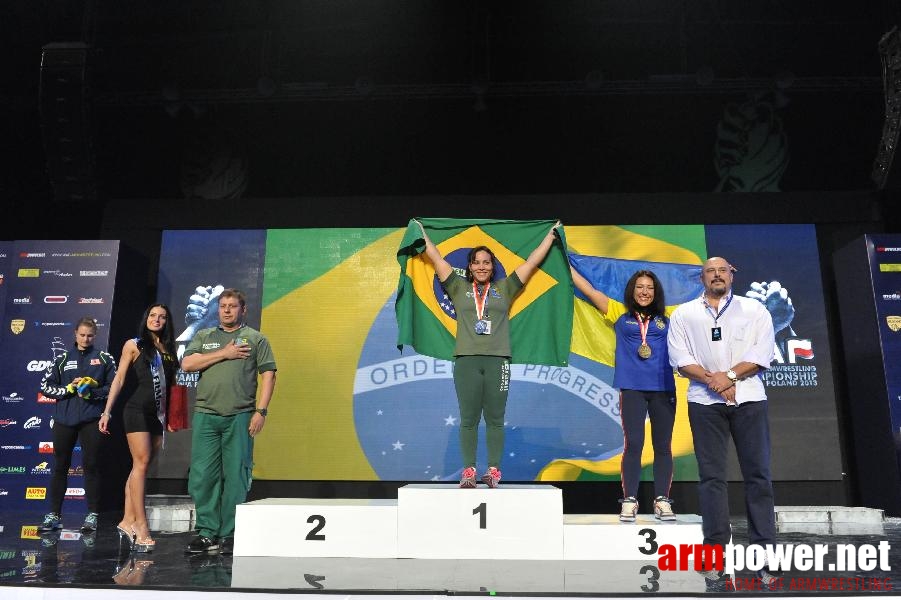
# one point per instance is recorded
(644, 351)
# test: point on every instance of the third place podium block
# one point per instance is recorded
(604, 537)
(510, 522)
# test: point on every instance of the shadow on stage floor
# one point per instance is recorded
(69, 561)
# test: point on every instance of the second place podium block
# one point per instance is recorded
(316, 527)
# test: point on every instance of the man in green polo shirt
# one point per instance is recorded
(226, 418)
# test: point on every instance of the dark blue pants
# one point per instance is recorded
(748, 425)
(635, 406)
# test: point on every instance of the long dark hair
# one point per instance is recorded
(471, 257)
(657, 308)
(167, 335)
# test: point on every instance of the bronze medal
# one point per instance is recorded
(644, 351)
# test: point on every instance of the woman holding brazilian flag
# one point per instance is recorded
(483, 305)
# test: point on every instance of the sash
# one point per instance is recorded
(158, 376)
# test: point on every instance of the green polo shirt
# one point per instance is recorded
(500, 297)
(230, 387)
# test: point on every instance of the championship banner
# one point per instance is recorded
(47, 287)
(349, 406)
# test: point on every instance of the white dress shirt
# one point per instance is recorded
(747, 335)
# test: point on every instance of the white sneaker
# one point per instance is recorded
(628, 510)
(663, 509)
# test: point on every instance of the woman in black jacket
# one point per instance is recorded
(79, 381)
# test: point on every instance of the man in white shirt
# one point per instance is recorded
(722, 343)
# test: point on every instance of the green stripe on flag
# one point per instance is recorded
(541, 319)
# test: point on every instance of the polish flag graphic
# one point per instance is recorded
(800, 348)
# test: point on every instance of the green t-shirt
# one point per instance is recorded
(500, 297)
(230, 386)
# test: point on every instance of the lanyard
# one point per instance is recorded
(716, 316)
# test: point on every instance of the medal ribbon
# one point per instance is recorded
(480, 302)
(643, 325)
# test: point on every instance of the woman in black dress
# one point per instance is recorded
(146, 369)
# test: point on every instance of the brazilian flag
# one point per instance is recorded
(541, 315)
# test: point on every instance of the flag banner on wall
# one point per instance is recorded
(540, 316)
(348, 406)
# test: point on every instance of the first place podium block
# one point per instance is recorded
(306, 527)
(510, 522)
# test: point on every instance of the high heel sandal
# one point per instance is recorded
(124, 569)
(128, 536)
(146, 544)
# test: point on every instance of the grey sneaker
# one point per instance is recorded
(663, 509)
(51, 522)
(492, 477)
(90, 522)
(629, 509)
(468, 478)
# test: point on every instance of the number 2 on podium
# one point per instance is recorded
(482, 511)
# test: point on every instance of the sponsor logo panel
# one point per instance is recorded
(36, 493)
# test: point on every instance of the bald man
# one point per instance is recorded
(723, 342)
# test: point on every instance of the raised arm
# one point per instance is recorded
(597, 297)
(528, 268)
(442, 267)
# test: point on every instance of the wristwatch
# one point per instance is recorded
(263, 411)
(732, 375)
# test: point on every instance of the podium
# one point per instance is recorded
(516, 522)
(604, 537)
(306, 527)
(510, 522)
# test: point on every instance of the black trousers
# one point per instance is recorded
(64, 438)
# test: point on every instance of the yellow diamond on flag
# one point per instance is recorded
(422, 273)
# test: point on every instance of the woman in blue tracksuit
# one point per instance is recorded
(79, 381)
(646, 383)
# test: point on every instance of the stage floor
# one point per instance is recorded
(68, 560)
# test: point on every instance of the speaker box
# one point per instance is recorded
(66, 120)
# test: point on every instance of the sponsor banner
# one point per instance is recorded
(29, 532)
(43, 296)
(884, 251)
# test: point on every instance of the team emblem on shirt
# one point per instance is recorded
(659, 322)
